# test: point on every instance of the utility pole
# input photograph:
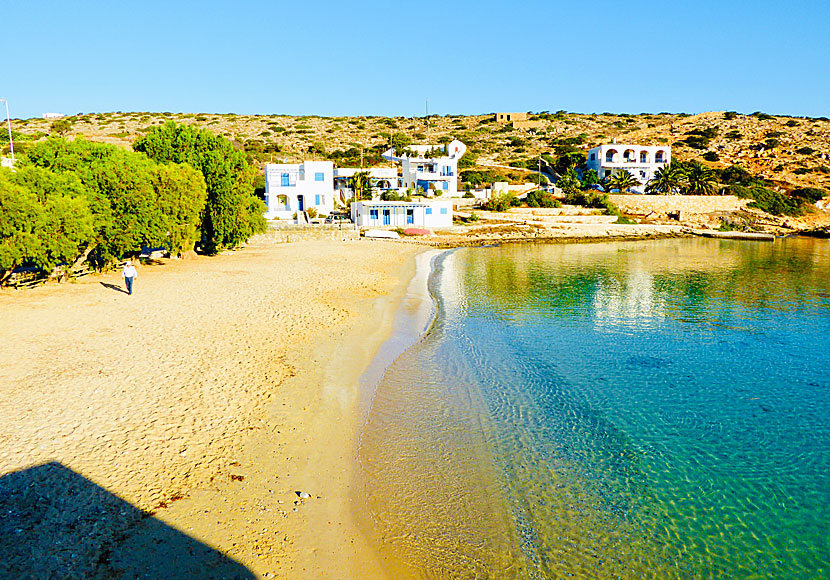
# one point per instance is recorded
(9, 121)
(427, 111)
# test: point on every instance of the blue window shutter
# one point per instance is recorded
(443, 211)
(319, 176)
(429, 211)
(284, 182)
(316, 200)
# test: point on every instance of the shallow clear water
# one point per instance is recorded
(616, 410)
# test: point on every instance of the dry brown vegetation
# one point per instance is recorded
(791, 151)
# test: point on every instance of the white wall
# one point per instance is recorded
(430, 214)
(302, 183)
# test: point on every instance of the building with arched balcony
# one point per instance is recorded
(640, 161)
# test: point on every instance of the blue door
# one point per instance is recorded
(410, 216)
(301, 203)
(387, 217)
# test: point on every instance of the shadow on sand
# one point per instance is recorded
(55, 523)
(114, 287)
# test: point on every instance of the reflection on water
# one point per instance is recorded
(617, 410)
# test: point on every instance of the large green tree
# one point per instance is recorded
(41, 222)
(232, 213)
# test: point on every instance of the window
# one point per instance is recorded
(320, 176)
(443, 211)
(284, 181)
(446, 185)
(387, 217)
(410, 216)
(373, 214)
(593, 156)
(429, 211)
(317, 200)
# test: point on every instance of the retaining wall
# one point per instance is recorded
(644, 204)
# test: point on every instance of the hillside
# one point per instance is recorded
(790, 151)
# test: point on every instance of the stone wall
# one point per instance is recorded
(687, 204)
(286, 233)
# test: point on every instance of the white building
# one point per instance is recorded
(53, 115)
(381, 178)
(430, 214)
(640, 161)
(423, 169)
(293, 187)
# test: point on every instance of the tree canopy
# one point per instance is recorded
(232, 213)
(74, 200)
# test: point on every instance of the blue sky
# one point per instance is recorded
(360, 58)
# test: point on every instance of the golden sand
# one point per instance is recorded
(210, 397)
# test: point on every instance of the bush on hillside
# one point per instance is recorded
(541, 198)
(770, 201)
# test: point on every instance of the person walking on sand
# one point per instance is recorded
(129, 273)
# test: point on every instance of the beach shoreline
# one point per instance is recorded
(220, 400)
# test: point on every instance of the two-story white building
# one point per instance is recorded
(422, 168)
(640, 161)
(293, 187)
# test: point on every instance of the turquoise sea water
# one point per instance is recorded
(655, 409)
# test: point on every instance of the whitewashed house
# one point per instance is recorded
(423, 168)
(293, 187)
(640, 161)
(425, 214)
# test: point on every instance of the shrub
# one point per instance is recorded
(733, 135)
(501, 202)
(792, 123)
(811, 194)
(711, 156)
(467, 195)
(312, 212)
(768, 200)
(805, 151)
(541, 198)
(729, 115)
(697, 142)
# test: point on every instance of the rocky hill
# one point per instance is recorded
(790, 151)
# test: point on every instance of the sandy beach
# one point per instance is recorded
(204, 426)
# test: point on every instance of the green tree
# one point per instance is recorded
(569, 160)
(400, 143)
(362, 185)
(61, 127)
(700, 180)
(621, 181)
(133, 201)
(569, 183)
(667, 180)
(181, 193)
(589, 178)
(46, 229)
(232, 214)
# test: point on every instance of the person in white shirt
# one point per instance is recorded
(129, 273)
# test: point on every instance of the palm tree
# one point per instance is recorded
(700, 180)
(361, 185)
(667, 181)
(622, 181)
